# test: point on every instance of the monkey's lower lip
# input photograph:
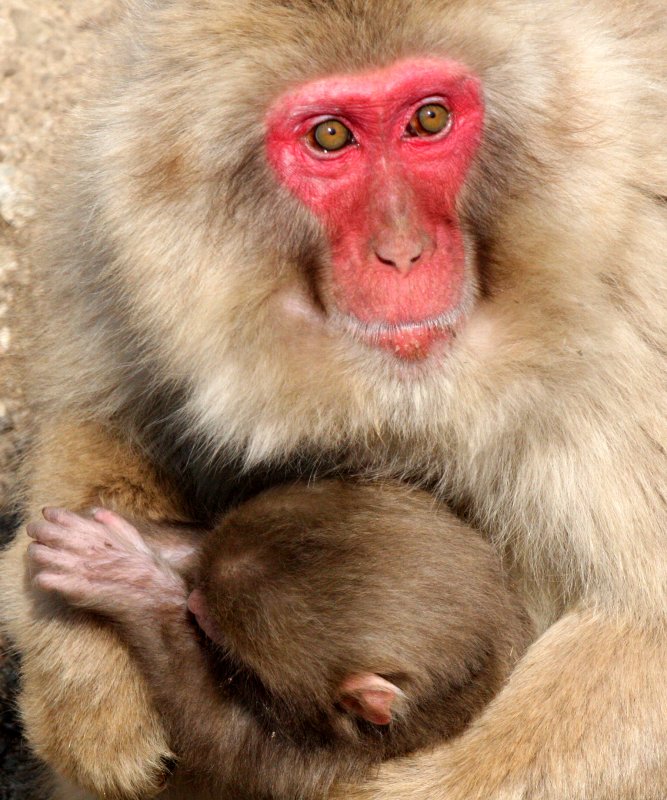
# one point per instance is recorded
(411, 341)
(414, 344)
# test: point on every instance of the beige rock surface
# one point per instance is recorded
(48, 50)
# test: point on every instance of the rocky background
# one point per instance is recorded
(48, 50)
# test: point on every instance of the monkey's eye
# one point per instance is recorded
(330, 136)
(429, 119)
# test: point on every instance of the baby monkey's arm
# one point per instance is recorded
(103, 564)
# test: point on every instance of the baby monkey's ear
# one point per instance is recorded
(370, 697)
(198, 606)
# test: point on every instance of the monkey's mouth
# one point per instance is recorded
(411, 341)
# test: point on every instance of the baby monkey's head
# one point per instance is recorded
(358, 617)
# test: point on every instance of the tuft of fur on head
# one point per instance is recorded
(183, 276)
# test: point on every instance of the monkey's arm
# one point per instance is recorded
(84, 703)
(102, 563)
(583, 717)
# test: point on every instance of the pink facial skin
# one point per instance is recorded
(387, 200)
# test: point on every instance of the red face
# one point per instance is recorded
(380, 159)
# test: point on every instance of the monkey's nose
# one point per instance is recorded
(402, 256)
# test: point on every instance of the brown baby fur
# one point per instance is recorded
(309, 586)
(545, 425)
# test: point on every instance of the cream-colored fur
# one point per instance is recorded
(173, 294)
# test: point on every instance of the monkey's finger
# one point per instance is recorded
(121, 527)
(73, 523)
(37, 530)
(41, 556)
(48, 533)
(82, 541)
(64, 517)
(78, 590)
(73, 588)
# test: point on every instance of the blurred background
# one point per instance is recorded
(48, 52)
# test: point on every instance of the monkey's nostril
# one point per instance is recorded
(384, 260)
(401, 258)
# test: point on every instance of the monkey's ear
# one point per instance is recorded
(198, 606)
(370, 697)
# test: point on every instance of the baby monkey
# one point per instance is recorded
(343, 626)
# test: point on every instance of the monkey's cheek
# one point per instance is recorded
(298, 308)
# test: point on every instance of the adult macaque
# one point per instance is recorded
(339, 643)
(415, 239)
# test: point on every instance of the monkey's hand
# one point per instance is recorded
(101, 563)
(583, 717)
(86, 707)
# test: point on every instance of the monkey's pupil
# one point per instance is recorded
(429, 120)
(331, 135)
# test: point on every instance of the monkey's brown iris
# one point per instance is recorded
(331, 135)
(429, 120)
